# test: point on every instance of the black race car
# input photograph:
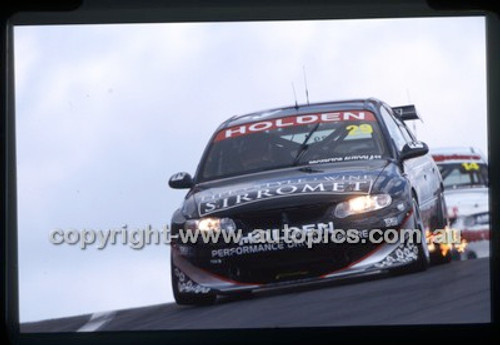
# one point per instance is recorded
(325, 166)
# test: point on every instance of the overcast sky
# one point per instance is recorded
(106, 113)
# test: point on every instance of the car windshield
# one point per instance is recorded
(294, 140)
(464, 174)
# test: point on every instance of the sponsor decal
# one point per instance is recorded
(298, 120)
(391, 221)
(255, 249)
(416, 145)
(404, 254)
(248, 249)
(344, 159)
(440, 158)
(178, 177)
(338, 184)
(186, 285)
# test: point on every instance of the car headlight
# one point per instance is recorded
(210, 224)
(362, 204)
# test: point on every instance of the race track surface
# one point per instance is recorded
(455, 293)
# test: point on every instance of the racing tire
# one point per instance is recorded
(183, 298)
(436, 257)
(455, 255)
(471, 256)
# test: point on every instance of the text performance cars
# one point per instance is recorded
(329, 166)
(465, 178)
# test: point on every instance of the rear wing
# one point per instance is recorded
(406, 112)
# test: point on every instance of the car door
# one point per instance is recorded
(426, 174)
(418, 170)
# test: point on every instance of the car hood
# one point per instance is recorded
(284, 187)
(466, 201)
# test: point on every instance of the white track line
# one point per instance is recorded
(96, 321)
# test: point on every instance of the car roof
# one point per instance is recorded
(353, 104)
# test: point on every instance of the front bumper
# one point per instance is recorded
(205, 277)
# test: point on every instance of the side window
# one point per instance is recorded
(393, 128)
(409, 137)
(406, 135)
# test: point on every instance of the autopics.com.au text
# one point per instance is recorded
(138, 238)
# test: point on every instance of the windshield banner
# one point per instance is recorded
(300, 120)
(328, 185)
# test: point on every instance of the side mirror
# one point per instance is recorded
(181, 180)
(413, 150)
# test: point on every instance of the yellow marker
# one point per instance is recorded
(361, 129)
(470, 166)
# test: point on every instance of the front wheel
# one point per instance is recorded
(438, 258)
(441, 255)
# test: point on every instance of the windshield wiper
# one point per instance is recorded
(304, 146)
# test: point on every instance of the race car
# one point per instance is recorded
(465, 177)
(350, 164)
